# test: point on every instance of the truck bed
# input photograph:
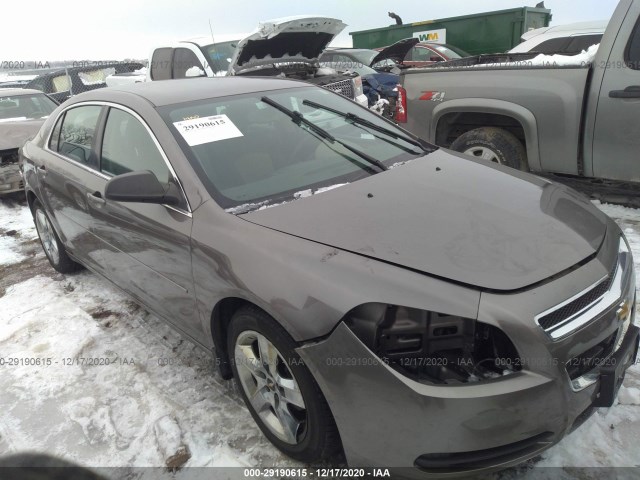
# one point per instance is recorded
(539, 95)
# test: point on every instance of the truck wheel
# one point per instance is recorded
(493, 144)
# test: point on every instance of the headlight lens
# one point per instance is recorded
(434, 347)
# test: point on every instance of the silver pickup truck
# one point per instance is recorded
(579, 120)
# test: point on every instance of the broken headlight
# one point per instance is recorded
(8, 156)
(434, 347)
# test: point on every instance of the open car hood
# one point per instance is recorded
(292, 39)
(395, 52)
(457, 219)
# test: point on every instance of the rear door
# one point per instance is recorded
(616, 138)
(147, 248)
(69, 174)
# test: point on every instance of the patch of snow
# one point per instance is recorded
(583, 59)
(326, 189)
(244, 208)
(10, 251)
(303, 193)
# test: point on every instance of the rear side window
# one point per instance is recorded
(78, 132)
(184, 60)
(161, 64)
(549, 47)
(127, 147)
(633, 50)
(583, 42)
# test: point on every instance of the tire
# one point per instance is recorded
(493, 144)
(51, 244)
(313, 436)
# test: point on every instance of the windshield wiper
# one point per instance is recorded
(362, 121)
(298, 119)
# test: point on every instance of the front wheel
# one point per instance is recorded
(493, 144)
(279, 390)
(51, 244)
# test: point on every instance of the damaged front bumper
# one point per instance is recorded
(389, 420)
(10, 179)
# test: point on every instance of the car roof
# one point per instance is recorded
(168, 92)
(14, 92)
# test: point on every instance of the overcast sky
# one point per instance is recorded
(38, 30)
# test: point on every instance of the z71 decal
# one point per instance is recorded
(433, 96)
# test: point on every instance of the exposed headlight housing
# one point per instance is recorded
(434, 347)
(357, 86)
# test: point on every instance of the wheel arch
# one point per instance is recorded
(221, 316)
(490, 113)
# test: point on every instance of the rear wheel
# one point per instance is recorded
(51, 244)
(493, 144)
(279, 390)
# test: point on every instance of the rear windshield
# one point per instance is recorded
(249, 152)
(25, 107)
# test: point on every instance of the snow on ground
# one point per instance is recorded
(142, 391)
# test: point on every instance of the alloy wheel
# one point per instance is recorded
(270, 386)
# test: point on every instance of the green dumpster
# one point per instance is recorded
(490, 32)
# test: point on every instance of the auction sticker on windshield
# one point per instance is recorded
(207, 129)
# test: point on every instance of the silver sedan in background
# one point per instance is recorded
(22, 113)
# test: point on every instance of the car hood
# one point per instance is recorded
(15, 134)
(454, 218)
(290, 39)
(395, 52)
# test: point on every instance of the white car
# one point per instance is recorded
(569, 39)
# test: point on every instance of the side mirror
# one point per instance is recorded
(141, 187)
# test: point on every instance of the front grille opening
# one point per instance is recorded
(460, 461)
(8, 156)
(592, 358)
(572, 308)
(344, 88)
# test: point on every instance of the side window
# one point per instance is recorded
(161, 64)
(582, 42)
(55, 135)
(423, 55)
(551, 46)
(77, 133)
(633, 50)
(185, 61)
(128, 147)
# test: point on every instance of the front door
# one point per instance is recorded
(147, 246)
(616, 139)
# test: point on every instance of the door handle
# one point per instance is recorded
(629, 92)
(96, 199)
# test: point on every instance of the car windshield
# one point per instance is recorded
(25, 107)
(219, 55)
(251, 154)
